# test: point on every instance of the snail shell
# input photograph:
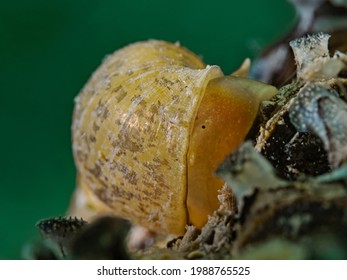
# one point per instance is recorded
(149, 129)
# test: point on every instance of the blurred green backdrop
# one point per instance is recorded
(48, 49)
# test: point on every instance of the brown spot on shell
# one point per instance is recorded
(126, 143)
(92, 138)
(96, 127)
(122, 193)
(121, 93)
(102, 112)
(162, 162)
(81, 156)
(131, 177)
(96, 171)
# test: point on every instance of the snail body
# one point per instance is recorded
(149, 129)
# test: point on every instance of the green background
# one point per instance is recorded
(48, 49)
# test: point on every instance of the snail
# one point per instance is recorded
(150, 127)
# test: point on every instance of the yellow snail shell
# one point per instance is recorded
(149, 129)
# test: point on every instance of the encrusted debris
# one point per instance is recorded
(304, 129)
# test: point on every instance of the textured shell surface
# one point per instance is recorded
(131, 127)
